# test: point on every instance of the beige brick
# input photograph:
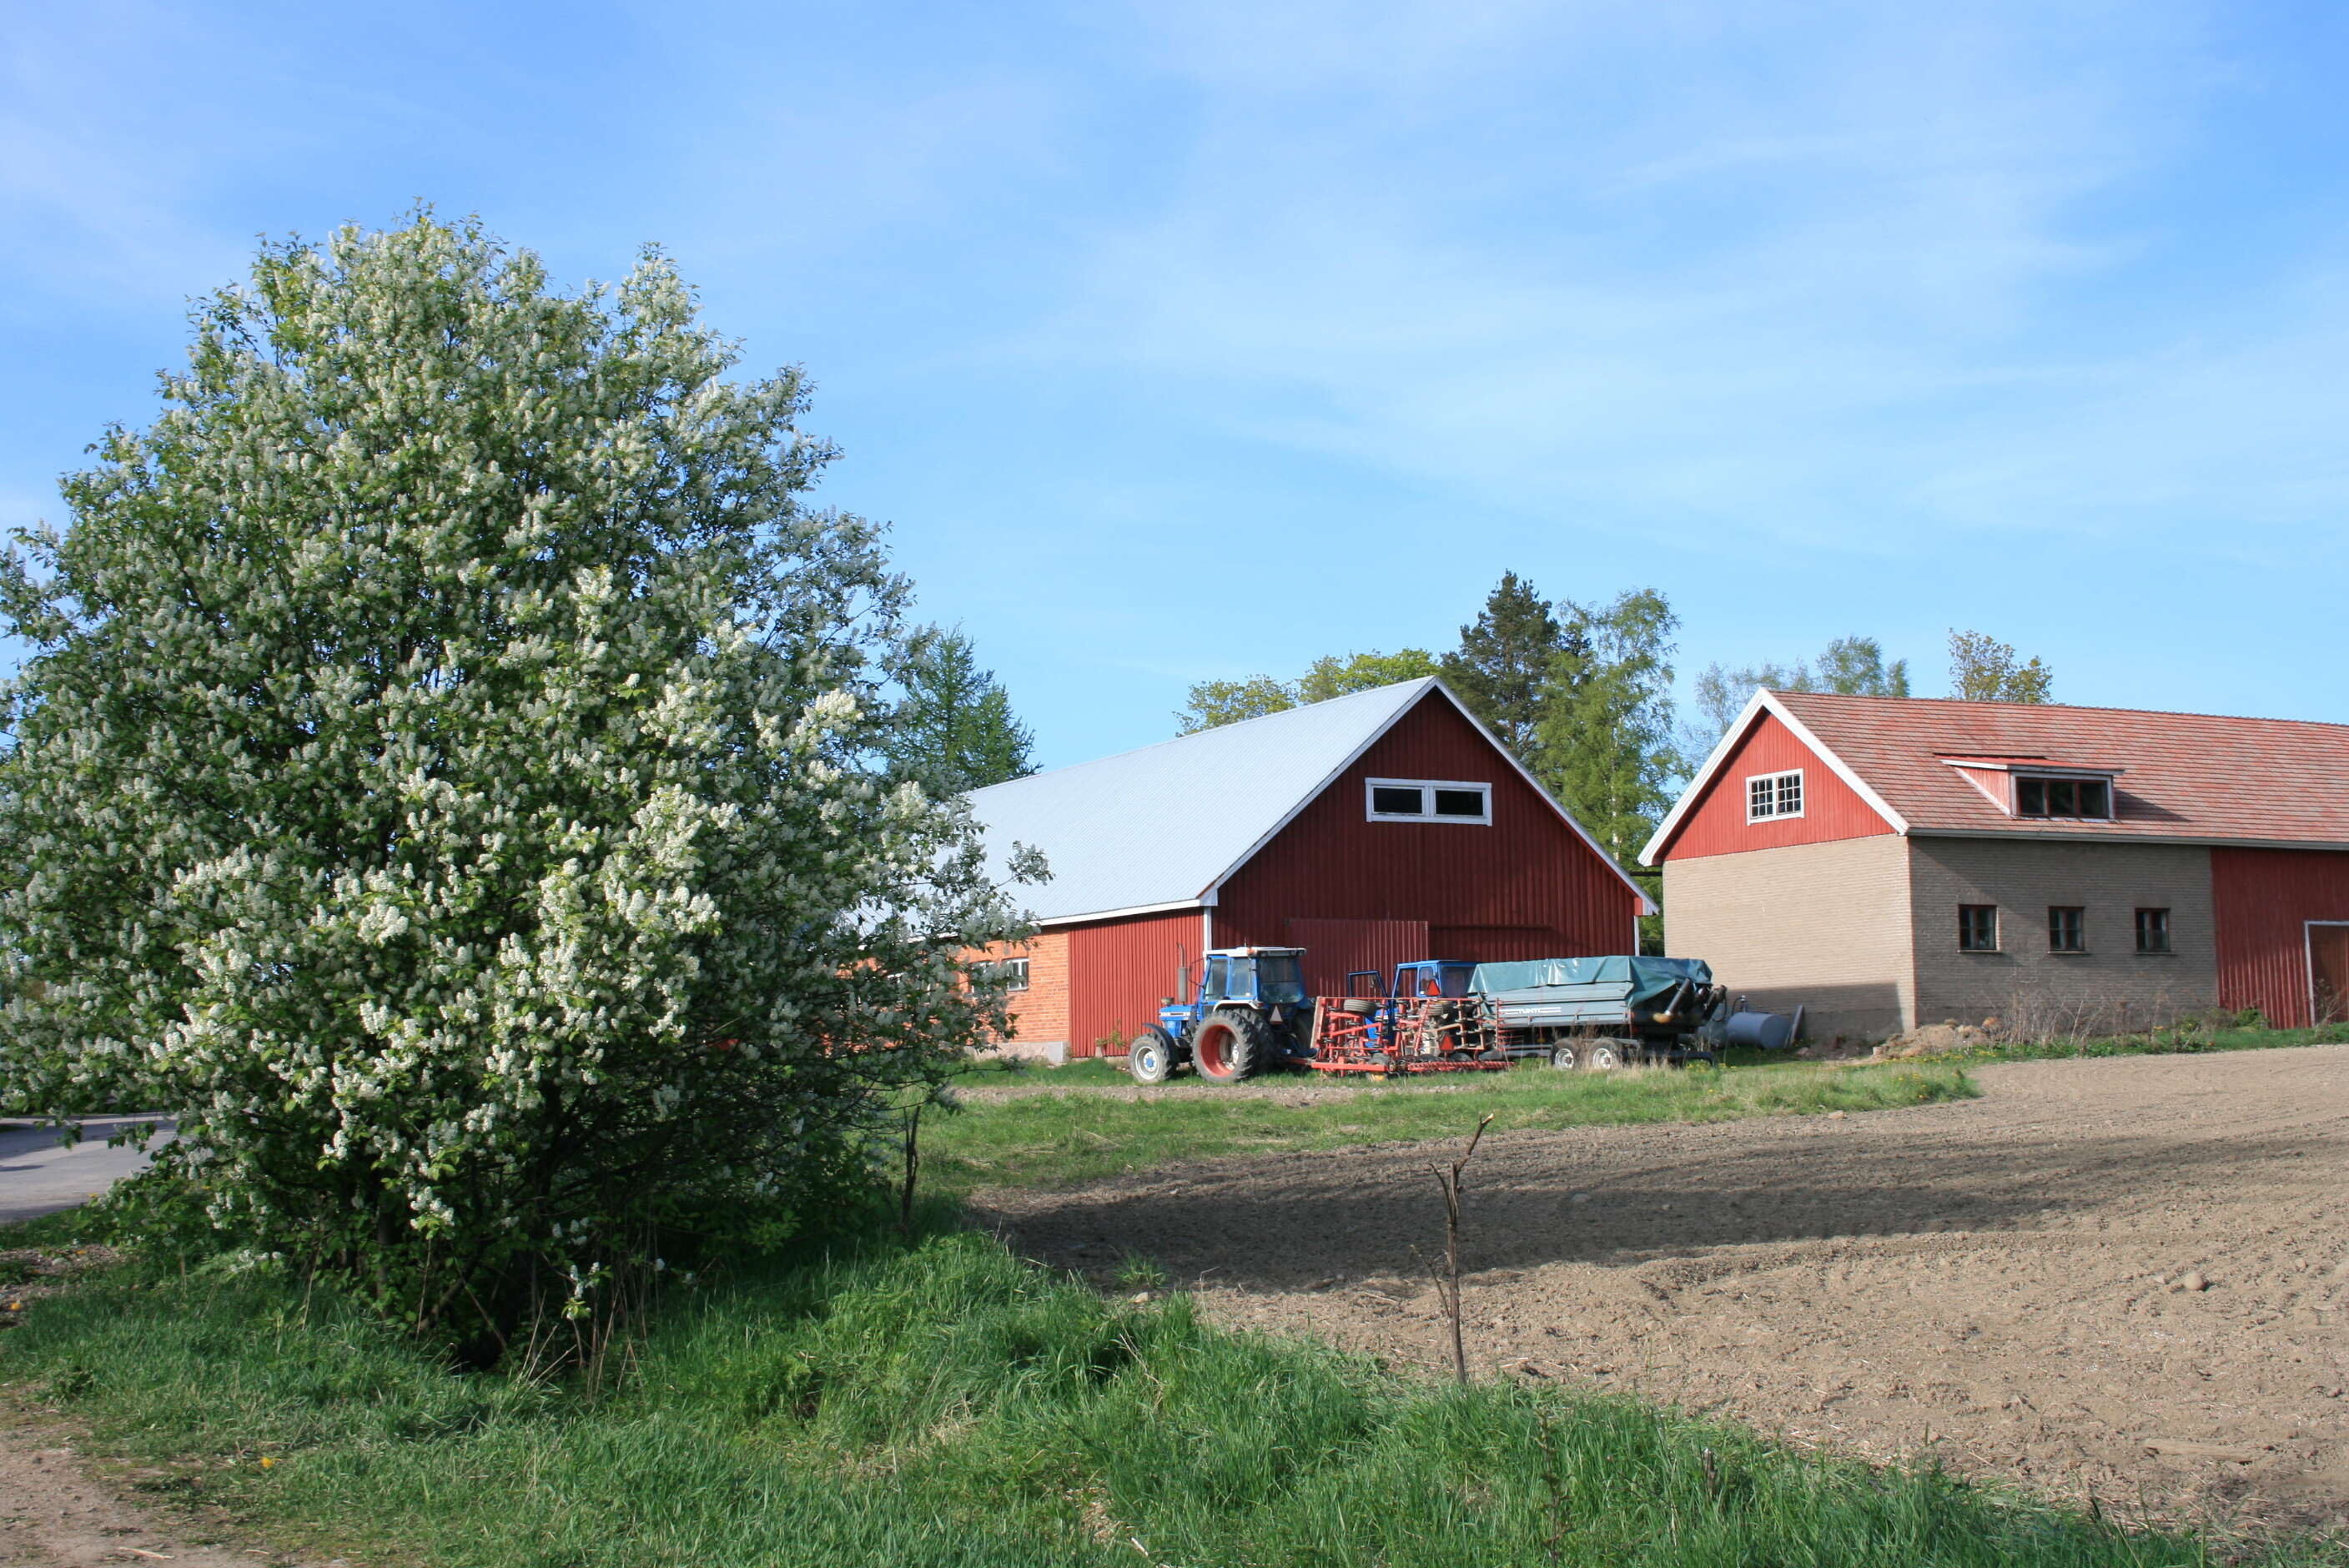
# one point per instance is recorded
(1822, 926)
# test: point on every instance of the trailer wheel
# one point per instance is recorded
(1565, 1058)
(1229, 1046)
(1604, 1056)
(1151, 1057)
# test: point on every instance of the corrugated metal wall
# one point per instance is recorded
(1336, 948)
(1118, 970)
(2262, 901)
(1527, 877)
(1831, 808)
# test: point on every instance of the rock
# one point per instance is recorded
(1139, 1298)
(2192, 1280)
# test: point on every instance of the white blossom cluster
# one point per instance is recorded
(441, 780)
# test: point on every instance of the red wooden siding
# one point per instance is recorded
(1118, 969)
(1337, 948)
(2262, 901)
(1716, 824)
(1526, 872)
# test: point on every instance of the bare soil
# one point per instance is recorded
(2122, 1277)
(57, 1511)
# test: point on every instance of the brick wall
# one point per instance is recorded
(1822, 925)
(2026, 985)
(1040, 1014)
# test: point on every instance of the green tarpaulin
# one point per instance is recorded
(1645, 977)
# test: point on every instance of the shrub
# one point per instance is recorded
(442, 779)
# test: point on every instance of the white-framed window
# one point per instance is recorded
(1012, 971)
(1769, 796)
(1427, 801)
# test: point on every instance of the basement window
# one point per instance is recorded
(2076, 800)
(2067, 928)
(1977, 928)
(1772, 795)
(2153, 931)
(1428, 800)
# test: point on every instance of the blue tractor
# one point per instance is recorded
(1248, 1012)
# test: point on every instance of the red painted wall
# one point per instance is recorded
(1118, 969)
(1716, 825)
(1337, 948)
(2262, 901)
(1528, 880)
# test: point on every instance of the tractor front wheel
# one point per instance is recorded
(1563, 1058)
(1151, 1057)
(1229, 1044)
(1605, 1055)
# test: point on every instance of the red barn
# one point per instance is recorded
(1885, 861)
(1370, 829)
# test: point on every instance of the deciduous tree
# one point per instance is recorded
(1606, 732)
(1983, 669)
(1333, 677)
(439, 780)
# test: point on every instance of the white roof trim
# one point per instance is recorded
(1647, 905)
(1761, 702)
(1121, 913)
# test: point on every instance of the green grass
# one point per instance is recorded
(951, 1405)
(1062, 1139)
(2160, 1043)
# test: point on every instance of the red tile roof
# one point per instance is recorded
(2182, 775)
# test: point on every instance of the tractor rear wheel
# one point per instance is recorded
(1229, 1044)
(1151, 1057)
(1565, 1057)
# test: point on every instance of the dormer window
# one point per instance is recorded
(2076, 800)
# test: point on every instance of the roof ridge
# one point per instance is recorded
(1974, 703)
(1211, 729)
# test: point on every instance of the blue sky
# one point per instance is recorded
(1193, 340)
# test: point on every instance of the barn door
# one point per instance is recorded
(2328, 970)
(1333, 948)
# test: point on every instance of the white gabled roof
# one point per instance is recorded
(1163, 827)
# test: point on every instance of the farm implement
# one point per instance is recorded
(1250, 1012)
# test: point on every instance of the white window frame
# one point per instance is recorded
(1802, 793)
(1426, 787)
(1012, 972)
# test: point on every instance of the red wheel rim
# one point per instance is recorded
(1213, 1062)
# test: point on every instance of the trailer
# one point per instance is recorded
(1616, 1011)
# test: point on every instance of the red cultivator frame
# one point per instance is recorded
(1406, 1035)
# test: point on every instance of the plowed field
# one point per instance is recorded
(2122, 1276)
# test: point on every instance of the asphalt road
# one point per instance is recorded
(40, 1175)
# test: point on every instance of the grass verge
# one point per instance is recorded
(2158, 1043)
(948, 1404)
(1052, 1140)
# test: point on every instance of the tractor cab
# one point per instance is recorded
(1422, 978)
(1255, 978)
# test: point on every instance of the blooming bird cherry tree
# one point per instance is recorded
(441, 778)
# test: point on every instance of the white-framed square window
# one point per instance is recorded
(1427, 801)
(1012, 971)
(1769, 796)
